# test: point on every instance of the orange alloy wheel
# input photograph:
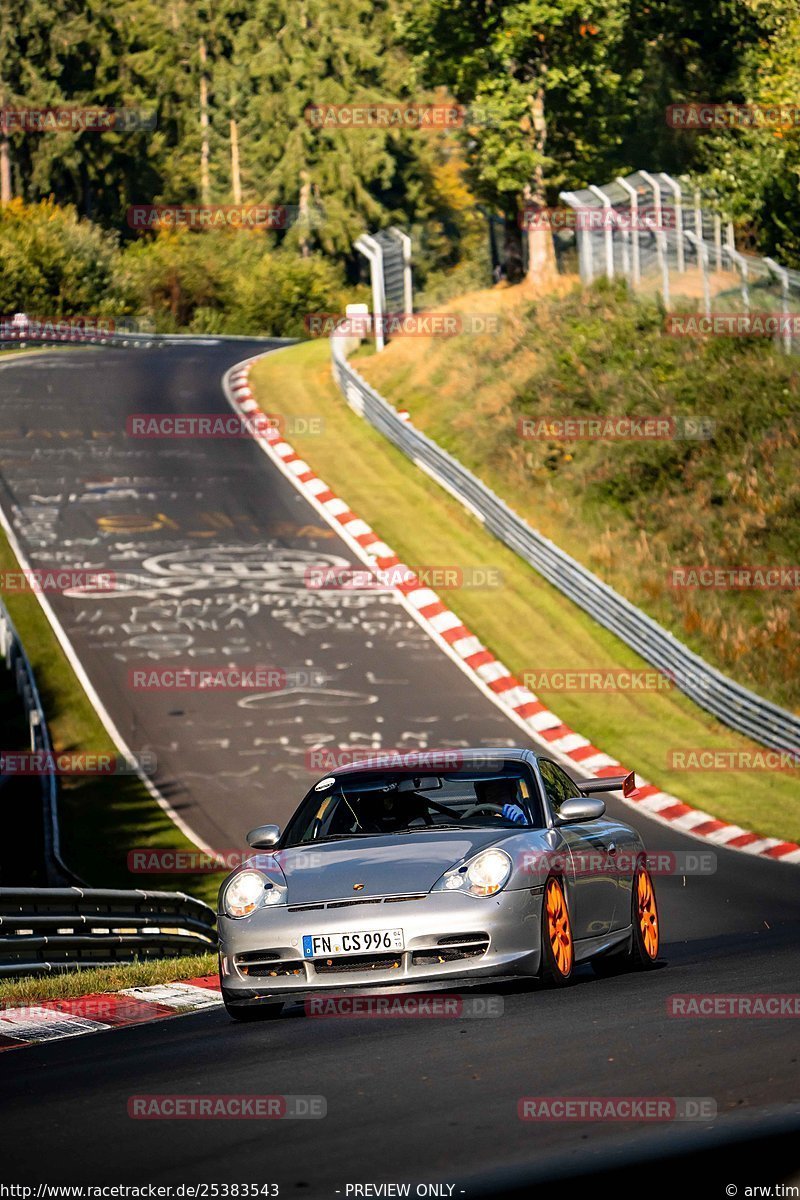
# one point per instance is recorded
(647, 913)
(558, 927)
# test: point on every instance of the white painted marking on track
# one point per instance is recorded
(34, 1024)
(176, 995)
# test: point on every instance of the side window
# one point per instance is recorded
(557, 784)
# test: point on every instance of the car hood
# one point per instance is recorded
(389, 865)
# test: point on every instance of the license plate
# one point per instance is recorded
(330, 945)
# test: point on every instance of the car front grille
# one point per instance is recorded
(451, 948)
(360, 962)
(268, 964)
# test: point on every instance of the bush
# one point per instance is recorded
(282, 290)
(53, 263)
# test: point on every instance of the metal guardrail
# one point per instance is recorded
(60, 929)
(733, 704)
(18, 663)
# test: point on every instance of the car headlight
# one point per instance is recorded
(247, 891)
(485, 875)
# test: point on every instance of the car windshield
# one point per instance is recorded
(370, 805)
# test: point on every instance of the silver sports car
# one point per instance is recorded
(435, 872)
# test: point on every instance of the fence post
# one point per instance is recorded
(660, 242)
(676, 192)
(609, 228)
(374, 255)
(718, 240)
(585, 257)
(702, 262)
(662, 253)
(623, 183)
(737, 258)
(783, 276)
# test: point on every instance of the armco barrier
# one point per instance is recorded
(58, 929)
(733, 704)
(17, 662)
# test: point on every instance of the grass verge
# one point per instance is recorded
(32, 989)
(526, 622)
(719, 489)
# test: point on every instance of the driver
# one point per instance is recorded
(503, 794)
(390, 810)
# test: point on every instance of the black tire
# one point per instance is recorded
(555, 973)
(638, 956)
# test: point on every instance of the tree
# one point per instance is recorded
(756, 171)
(291, 55)
(543, 81)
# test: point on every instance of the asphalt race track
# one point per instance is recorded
(213, 544)
(209, 548)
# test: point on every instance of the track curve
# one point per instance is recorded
(420, 1100)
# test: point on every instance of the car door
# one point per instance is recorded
(592, 847)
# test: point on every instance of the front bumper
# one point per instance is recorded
(261, 956)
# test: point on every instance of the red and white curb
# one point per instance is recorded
(52, 1020)
(490, 675)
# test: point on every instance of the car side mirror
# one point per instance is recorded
(581, 808)
(264, 837)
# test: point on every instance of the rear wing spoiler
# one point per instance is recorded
(611, 783)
